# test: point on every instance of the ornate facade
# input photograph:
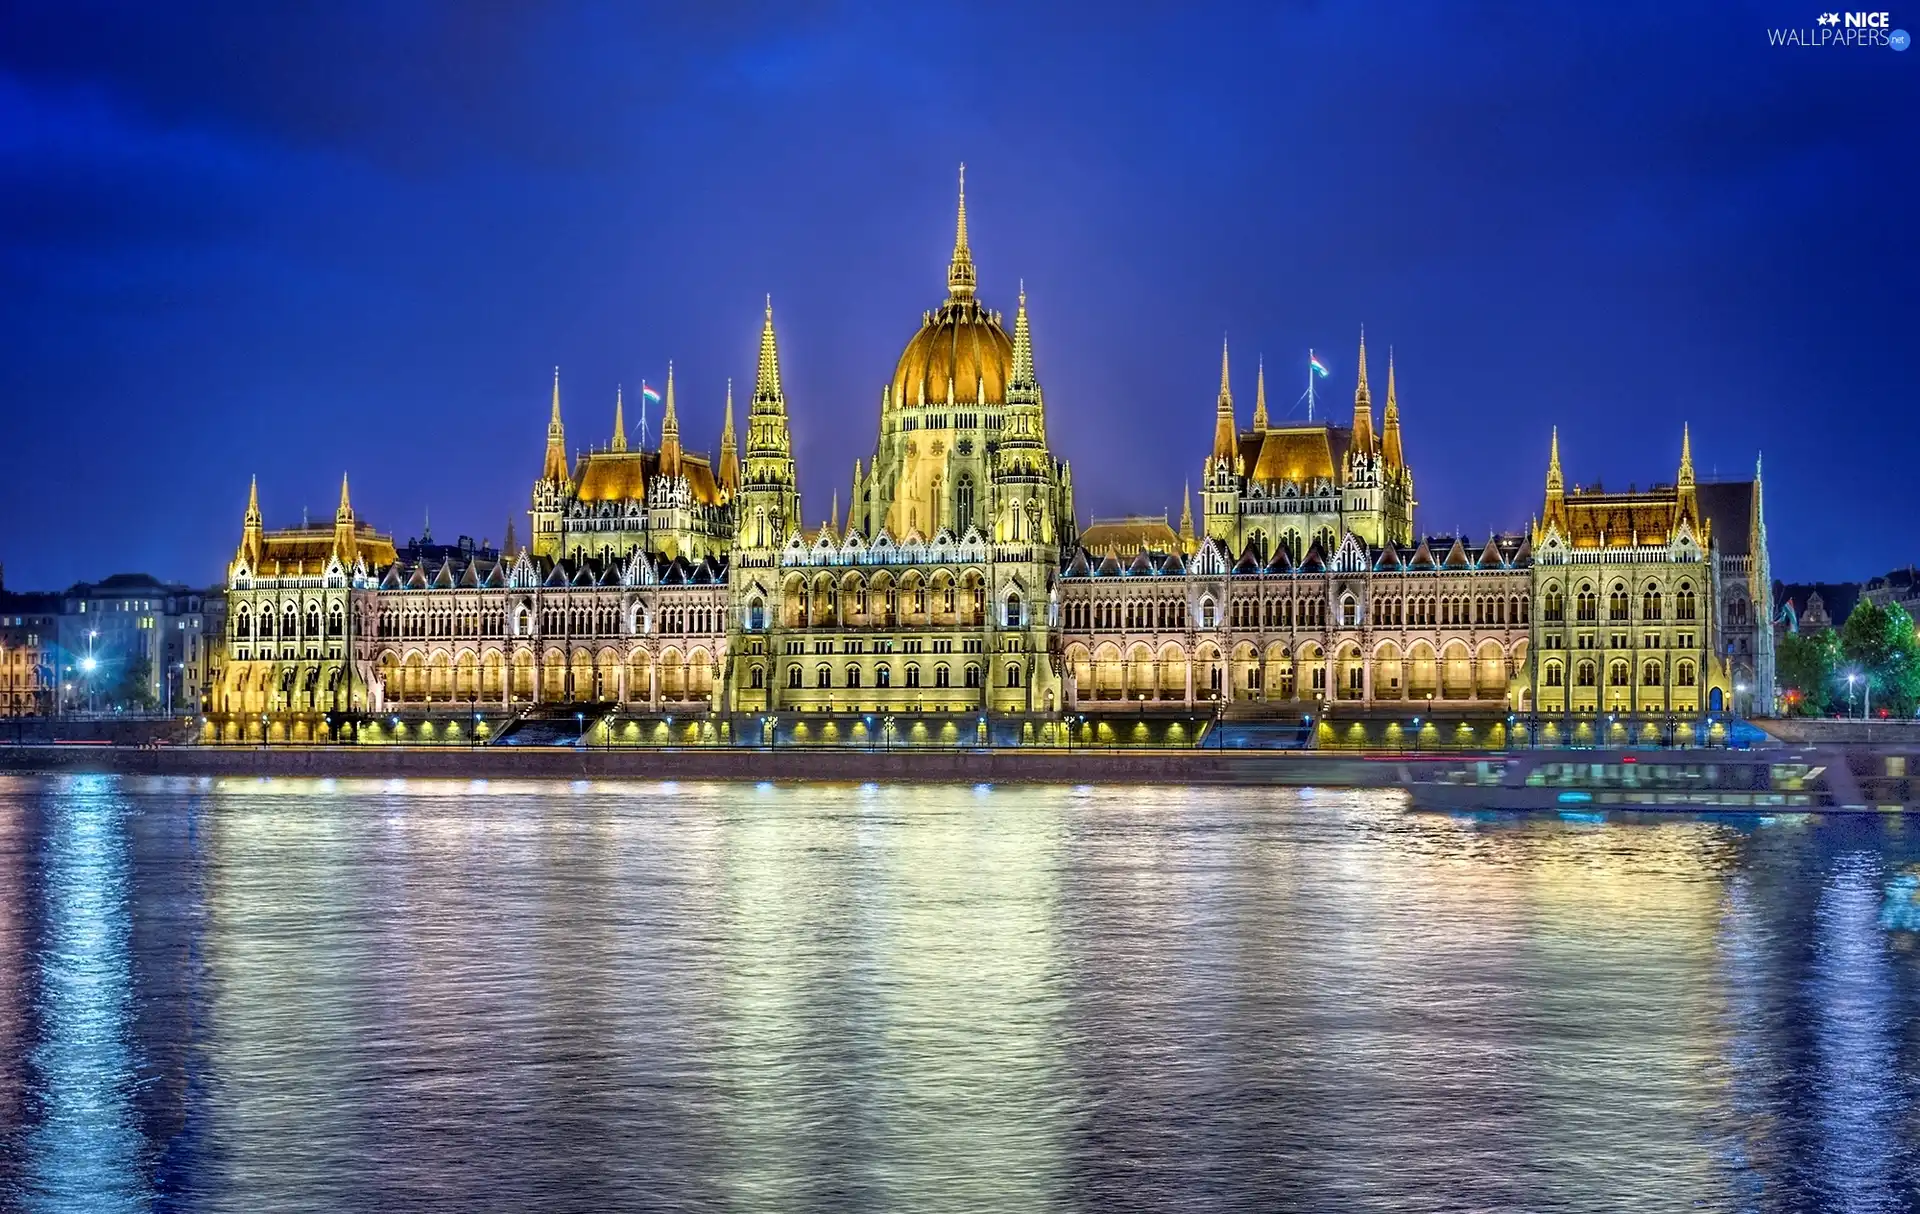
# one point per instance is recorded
(661, 582)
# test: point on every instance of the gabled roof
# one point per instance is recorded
(1457, 555)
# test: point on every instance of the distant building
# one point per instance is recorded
(1901, 586)
(29, 640)
(132, 643)
(1813, 606)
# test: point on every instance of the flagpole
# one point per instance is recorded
(1309, 385)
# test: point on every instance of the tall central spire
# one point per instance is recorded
(1390, 449)
(1363, 405)
(960, 280)
(729, 449)
(619, 419)
(1260, 396)
(1022, 344)
(766, 388)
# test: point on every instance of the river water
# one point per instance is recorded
(440, 995)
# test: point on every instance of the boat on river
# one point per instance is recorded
(1820, 779)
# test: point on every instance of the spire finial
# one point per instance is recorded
(555, 468)
(1186, 516)
(1362, 403)
(1686, 455)
(253, 499)
(1260, 395)
(346, 506)
(1361, 390)
(1555, 483)
(556, 396)
(960, 275)
(670, 431)
(729, 471)
(619, 418)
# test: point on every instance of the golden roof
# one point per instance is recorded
(1124, 538)
(1619, 520)
(305, 551)
(1295, 455)
(959, 350)
(622, 476)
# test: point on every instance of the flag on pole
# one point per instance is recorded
(653, 396)
(1313, 362)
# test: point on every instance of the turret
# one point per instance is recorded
(555, 468)
(1556, 508)
(1225, 432)
(344, 546)
(1390, 449)
(1260, 398)
(253, 541)
(670, 433)
(960, 275)
(729, 451)
(1689, 502)
(1362, 406)
(770, 499)
(619, 420)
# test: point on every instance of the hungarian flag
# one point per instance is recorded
(1313, 361)
(653, 396)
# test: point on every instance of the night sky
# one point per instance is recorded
(288, 240)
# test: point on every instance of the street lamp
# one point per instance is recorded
(1852, 678)
(87, 666)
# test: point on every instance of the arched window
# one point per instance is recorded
(756, 615)
(940, 678)
(1553, 674)
(756, 677)
(1650, 674)
(1617, 606)
(1013, 674)
(1206, 612)
(1554, 606)
(1617, 674)
(823, 675)
(1016, 612)
(1683, 676)
(336, 621)
(1650, 602)
(913, 675)
(883, 675)
(1349, 612)
(963, 503)
(1684, 606)
(1583, 675)
(973, 675)
(853, 675)
(793, 676)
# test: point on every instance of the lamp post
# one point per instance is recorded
(1852, 678)
(87, 666)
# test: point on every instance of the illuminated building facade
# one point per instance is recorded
(957, 581)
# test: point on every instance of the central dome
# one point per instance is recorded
(961, 355)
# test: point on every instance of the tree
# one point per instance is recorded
(1804, 665)
(133, 691)
(1877, 642)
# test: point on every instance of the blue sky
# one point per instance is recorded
(296, 241)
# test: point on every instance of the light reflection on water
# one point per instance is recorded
(242, 995)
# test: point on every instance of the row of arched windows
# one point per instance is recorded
(854, 676)
(291, 623)
(1619, 603)
(1652, 674)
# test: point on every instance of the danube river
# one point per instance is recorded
(440, 995)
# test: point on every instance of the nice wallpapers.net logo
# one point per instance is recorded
(1851, 31)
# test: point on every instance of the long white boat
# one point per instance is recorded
(1823, 779)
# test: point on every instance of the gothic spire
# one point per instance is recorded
(619, 419)
(253, 503)
(344, 546)
(960, 280)
(1686, 456)
(1224, 428)
(556, 463)
(1555, 484)
(1390, 423)
(346, 505)
(1260, 396)
(766, 388)
(670, 432)
(1186, 517)
(1022, 342)
(729, 448)
(1362, 404)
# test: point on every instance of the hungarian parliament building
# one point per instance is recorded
(960, 585)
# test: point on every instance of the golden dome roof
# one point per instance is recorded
(960, 355)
